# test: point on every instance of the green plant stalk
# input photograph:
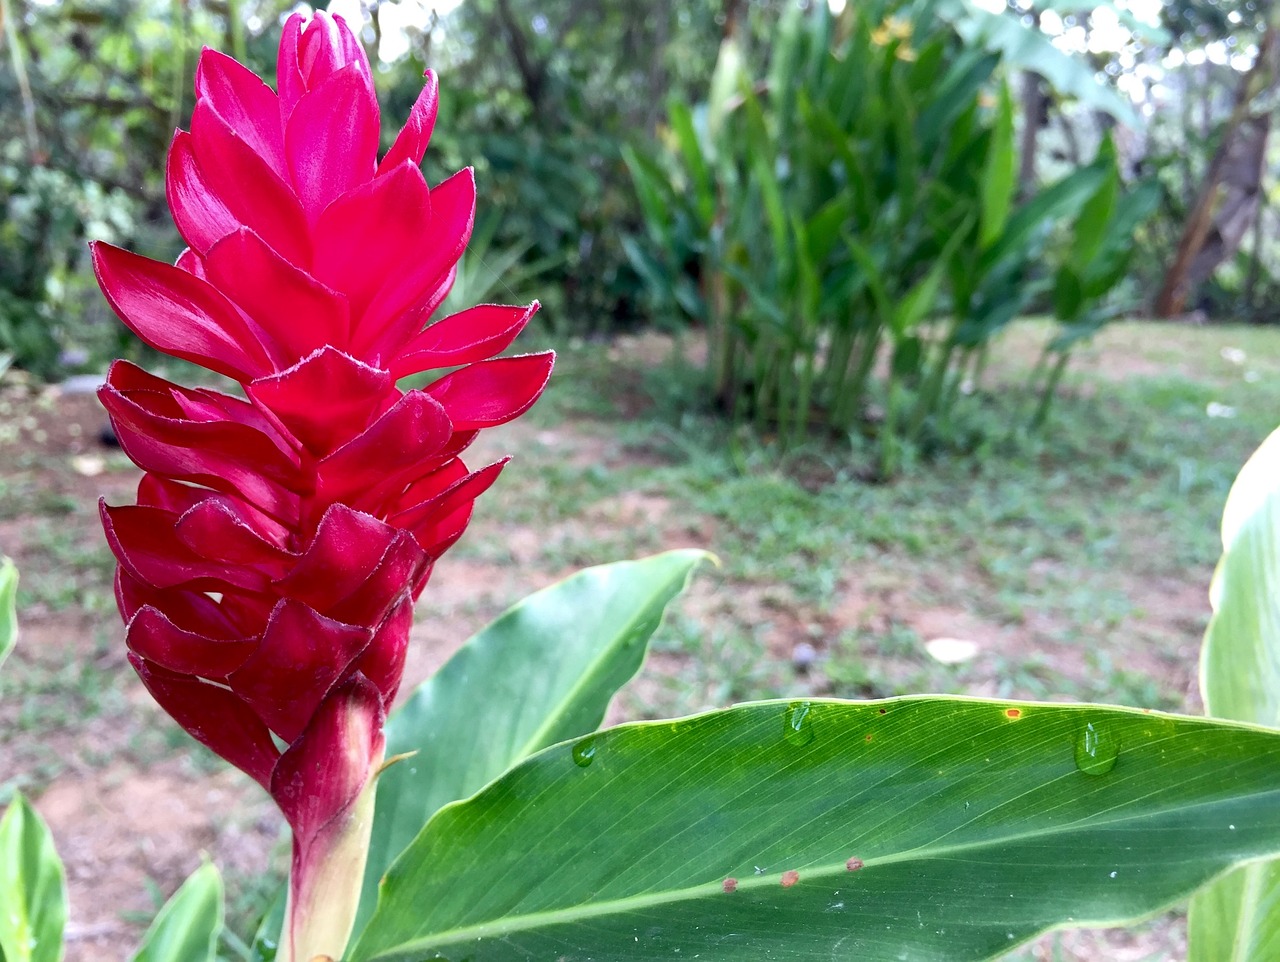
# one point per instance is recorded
(834, 373)
(24, 82)
(851, 400)
(1047, 392)
(929, 400)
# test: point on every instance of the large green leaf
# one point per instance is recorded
(920, 828)
(1061, 199)
(188, 926)
(33, 893)
(1092, 226)
(1238, 918)
(8, 607)
(543, 672)
(999, 174)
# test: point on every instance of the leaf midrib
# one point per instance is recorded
(512, 924)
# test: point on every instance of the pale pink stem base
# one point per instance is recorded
(324, 883)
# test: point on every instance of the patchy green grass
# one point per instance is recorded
(1084, 552)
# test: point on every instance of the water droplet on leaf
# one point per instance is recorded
(797, 725)
(1096, 750)
(584, 752)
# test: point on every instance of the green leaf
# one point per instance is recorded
(695, 161)
(1240, 663)
(918, 302)
(33, 893)
(1238, 917)
(1068, 295)
(187, 928)
(999, 173)
(8, 607)
(1061, 199)
(728, 75)
(1093, 224)
(921, 828)
(543, 672)
(266, 941)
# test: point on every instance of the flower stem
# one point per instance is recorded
(324, 882)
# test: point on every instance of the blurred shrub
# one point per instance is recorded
(856, 205)
(45, 216)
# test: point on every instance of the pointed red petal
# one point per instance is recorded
(374, 598)
(324, 399)
(493, 392)
(247, 104)
(214, 717)
(411, 143)
(213, 530)
(301, 655)
(347, 547)
(246, 185)
(327, 159)
(324, 771)
(178, 313)
(190, 610)
(145, 543)
(298, 312)
(383, 661)
(463, 338)
(396, 313)
(426, 499)
(152, 635)
(201, 217)
(224, 455)
(372, 233)
(288, 74)
(359, 471)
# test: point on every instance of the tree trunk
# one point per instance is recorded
(1035, 115)
(1228, 197)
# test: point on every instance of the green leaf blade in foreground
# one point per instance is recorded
(188, 926)
(1238, 917)
(975, 831)
(33, 892)
(543, 672)
(8, 607)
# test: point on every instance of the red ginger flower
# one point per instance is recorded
(267, 573)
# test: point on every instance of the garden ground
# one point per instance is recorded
(1077, 564)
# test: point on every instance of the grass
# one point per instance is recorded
(1065, 536)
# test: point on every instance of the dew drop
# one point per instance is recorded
(797, 725)
(584, 752)
(1096, 750)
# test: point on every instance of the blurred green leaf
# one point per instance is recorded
(999, 173)
(8, 607)
(33, 893)
(1238, 917)
(188, 926)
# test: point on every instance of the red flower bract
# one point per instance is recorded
(268, 571)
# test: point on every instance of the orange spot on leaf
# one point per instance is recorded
(1013, 712)
(790, 878)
